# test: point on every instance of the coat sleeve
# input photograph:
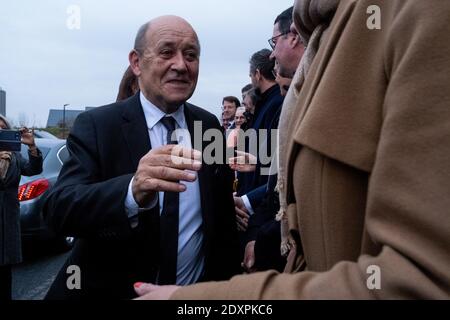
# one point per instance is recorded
(31, 167)
(408, 196)
(81, 204)
(256, 196)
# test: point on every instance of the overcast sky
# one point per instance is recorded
(44, 64)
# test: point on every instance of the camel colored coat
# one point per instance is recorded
(369, 162)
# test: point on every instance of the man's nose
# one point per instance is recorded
(272, 55)
(179, 63)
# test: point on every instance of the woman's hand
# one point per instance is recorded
(148, 291)
(27, 137)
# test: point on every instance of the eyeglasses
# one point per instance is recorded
(272, 42)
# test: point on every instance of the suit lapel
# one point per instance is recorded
(134, 129)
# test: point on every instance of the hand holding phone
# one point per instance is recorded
(10, 140)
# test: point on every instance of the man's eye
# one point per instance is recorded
(191, 55)
(166, 53)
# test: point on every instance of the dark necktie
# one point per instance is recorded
(169, 223)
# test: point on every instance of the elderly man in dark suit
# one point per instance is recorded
(143, 208)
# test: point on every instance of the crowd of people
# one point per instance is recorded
(363, 176)
(358, 175)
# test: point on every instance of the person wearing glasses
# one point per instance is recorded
(262, 251)
(287, 46)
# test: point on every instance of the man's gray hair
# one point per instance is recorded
(140, 41)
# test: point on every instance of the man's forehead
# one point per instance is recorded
(171, 24)
(276, 29)
(167, 35)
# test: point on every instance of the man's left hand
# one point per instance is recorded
(148, 291)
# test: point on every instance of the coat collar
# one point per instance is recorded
(153, 114)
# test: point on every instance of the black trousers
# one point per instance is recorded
(5, 283)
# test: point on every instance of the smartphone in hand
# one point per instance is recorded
(10, 140)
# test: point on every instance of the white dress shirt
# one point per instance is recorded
(190, 261)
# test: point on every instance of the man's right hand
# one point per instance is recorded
(162, 169)
(243, 162)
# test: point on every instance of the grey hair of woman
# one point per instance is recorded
(3, 118)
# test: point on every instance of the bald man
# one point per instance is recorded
(134, 192)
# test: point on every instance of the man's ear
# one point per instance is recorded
(294, 40)
(257, 75)
(134, 57)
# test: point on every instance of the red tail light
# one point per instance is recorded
(33, 189)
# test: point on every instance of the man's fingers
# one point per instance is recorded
(241, 213)
(249, 255)
(178, 151)
(172, 162)
(171, 174)
(239, 160)
(240, 228)
(243, 158)
(249, 263)
(241, 153)
(153, 184)
(234, 160)
(158, 158)
(165, 174)
(243, 167)
(242, 222)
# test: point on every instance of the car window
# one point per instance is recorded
(63, 154)
(24, 152)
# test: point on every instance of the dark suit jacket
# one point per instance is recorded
(266, 117)
(87, 202)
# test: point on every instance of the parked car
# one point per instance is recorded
(44, 134)
(33, 190)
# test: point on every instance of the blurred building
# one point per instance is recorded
(2, 102)
(56, 117)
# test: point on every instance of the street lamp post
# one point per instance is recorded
(64, 120)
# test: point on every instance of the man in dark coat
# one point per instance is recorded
(141, 210)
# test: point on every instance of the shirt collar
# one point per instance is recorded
(153, 114)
